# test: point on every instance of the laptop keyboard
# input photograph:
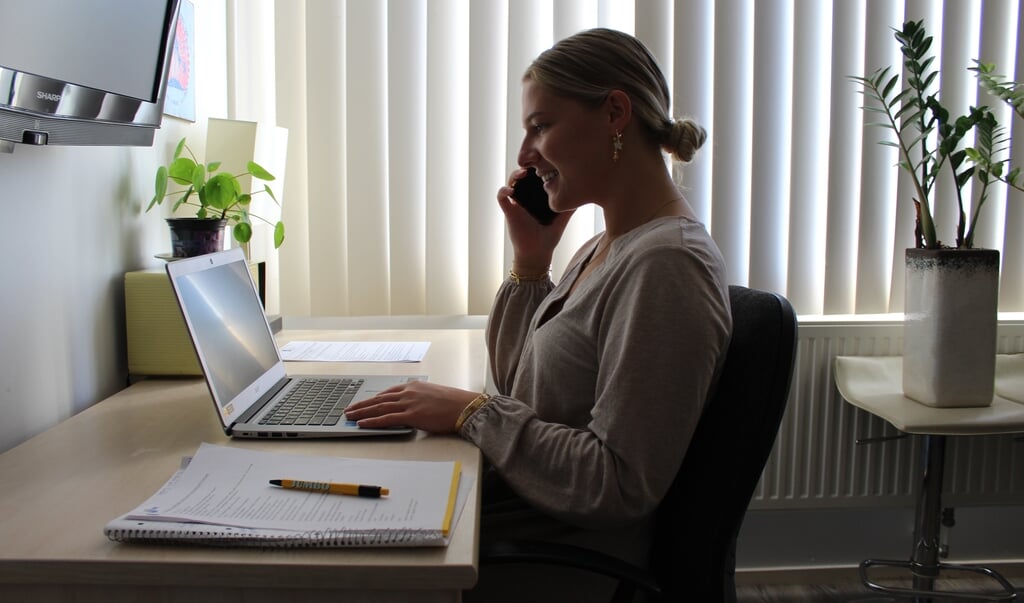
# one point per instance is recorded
(314, 402)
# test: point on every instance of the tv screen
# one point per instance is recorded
(74, 72)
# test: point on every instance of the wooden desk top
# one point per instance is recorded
(62, 486)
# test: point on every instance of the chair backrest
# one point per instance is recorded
(694, 551)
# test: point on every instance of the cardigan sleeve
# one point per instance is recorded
(508, 325)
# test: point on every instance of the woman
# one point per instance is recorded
(602, 377)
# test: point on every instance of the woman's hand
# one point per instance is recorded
(533, 244)
(427, 406)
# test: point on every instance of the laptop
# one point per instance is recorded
(243, 366)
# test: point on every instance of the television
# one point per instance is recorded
(76, 72)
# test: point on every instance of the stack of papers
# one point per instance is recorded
(222, 496)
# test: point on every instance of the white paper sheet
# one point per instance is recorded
(355, 351)
(230, 487)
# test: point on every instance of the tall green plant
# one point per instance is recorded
(928, 139)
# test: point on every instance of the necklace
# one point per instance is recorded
(605, 243)
(661, 207)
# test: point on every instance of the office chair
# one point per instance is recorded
(693, 556)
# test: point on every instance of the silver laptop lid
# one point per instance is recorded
(229, 329)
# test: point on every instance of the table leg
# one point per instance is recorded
(924, 562)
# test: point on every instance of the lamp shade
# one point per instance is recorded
(236, 142)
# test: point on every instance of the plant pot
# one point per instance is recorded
(949, 333)
(196, 236)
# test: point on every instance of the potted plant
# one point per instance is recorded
(218, 199)
(951, 290)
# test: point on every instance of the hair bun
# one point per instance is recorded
(684, 137)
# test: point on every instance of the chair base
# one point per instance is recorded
(924, 584)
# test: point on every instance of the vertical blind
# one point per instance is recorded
(404, 119)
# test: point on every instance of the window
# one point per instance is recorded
(406, 114)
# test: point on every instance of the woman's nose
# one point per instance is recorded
(527, 155)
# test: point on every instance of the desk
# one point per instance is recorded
(874, 384)
(62, 486)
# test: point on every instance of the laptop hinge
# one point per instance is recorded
(264, 399)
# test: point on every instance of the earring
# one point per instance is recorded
(616, 145)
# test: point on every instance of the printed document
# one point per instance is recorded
(229, 486)
(355, 351)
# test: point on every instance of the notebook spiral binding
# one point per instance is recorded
(161, 532)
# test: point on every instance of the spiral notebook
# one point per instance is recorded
(222, 497)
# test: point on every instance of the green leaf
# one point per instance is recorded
(964, 177)
(198, 176)
(182, 199)
(181, 170)
(213, 166)
(222, 191)
(887, 90)
(178, 149)
(266, 189)
(258, 172)
(242, 232)
(278, 234)
(160, 186)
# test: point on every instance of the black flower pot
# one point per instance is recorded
(196, 236)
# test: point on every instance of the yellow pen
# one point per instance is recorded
(331, 488)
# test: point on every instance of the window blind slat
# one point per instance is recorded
(772, 138)
(328, 257)
(734, 106)
(447, 156)
(290, 62)
(848, 26)
(877, 198)
(1011, 288)
(812, 52)
(367, 169)
(407, 154)
(693, 95)
(488, 94)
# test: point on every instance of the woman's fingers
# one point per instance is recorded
(422, 405)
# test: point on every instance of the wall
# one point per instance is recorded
(73, 224)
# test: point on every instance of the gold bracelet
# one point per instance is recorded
(518, 278)
(471, 408)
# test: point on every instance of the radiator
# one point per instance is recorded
(818, 463)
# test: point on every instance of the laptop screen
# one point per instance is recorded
(229, 328)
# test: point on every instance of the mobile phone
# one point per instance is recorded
(529, 192)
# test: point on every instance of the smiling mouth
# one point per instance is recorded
(547, 176)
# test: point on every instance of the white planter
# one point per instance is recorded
(949, 336)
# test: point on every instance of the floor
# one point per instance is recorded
(854, 592)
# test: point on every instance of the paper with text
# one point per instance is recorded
(229, 486)
(355, 351)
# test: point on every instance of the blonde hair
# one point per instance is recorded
(587, 66)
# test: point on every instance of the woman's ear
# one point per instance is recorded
(619, 108)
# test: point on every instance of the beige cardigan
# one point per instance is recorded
(597, 404)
